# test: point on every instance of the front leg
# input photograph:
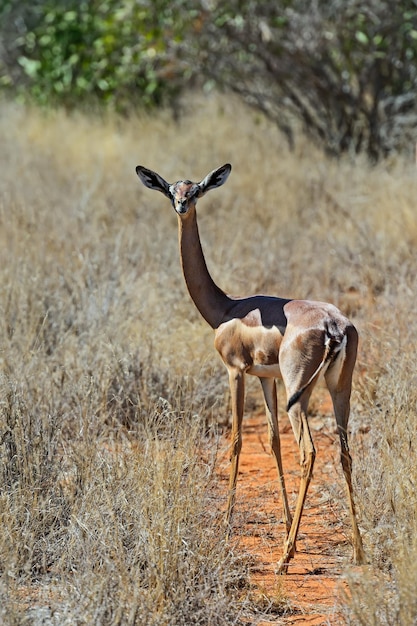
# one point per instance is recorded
(237, 390)
(271, 407)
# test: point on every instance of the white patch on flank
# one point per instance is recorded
(336, 368)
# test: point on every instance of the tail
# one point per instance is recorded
(332, 346)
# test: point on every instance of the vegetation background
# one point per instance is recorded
(345, 70)
(112, 399)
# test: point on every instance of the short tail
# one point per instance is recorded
(332, 347)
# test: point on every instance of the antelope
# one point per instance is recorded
(269, 337)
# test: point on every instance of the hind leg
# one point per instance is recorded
(340, 390)
(300, 357)
(298, 418)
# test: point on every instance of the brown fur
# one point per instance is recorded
(268, 337)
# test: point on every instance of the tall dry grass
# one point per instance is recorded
(110, 390)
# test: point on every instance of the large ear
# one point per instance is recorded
(216, 178)
(153, 180)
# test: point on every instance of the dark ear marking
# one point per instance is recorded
(152, 180)
(216, 178)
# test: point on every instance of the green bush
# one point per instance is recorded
(343, 72)
(118, 53)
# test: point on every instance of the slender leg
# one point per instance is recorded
(300, 355)
(237, 389)
(341, 408)
(298, 418)
(271, 407)
(340, 390)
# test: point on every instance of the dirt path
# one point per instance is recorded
(313, 586)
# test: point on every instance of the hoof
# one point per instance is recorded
(282, 567)
(359, 557)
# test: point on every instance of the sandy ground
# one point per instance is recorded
(313, 588)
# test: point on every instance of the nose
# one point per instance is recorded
(182, 206)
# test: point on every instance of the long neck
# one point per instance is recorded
(209, 299)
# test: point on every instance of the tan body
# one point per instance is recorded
(268, 337)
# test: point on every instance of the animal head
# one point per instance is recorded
(184, 193)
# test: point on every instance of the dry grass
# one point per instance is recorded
(109, 383)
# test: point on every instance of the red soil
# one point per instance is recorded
(313, 588)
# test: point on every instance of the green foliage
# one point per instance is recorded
(119, 53)
(345, 71)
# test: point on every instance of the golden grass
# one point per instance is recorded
(110, 386)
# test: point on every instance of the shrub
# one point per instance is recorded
(345, 70)
(122, 54)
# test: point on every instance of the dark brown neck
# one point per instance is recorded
(209, 299)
